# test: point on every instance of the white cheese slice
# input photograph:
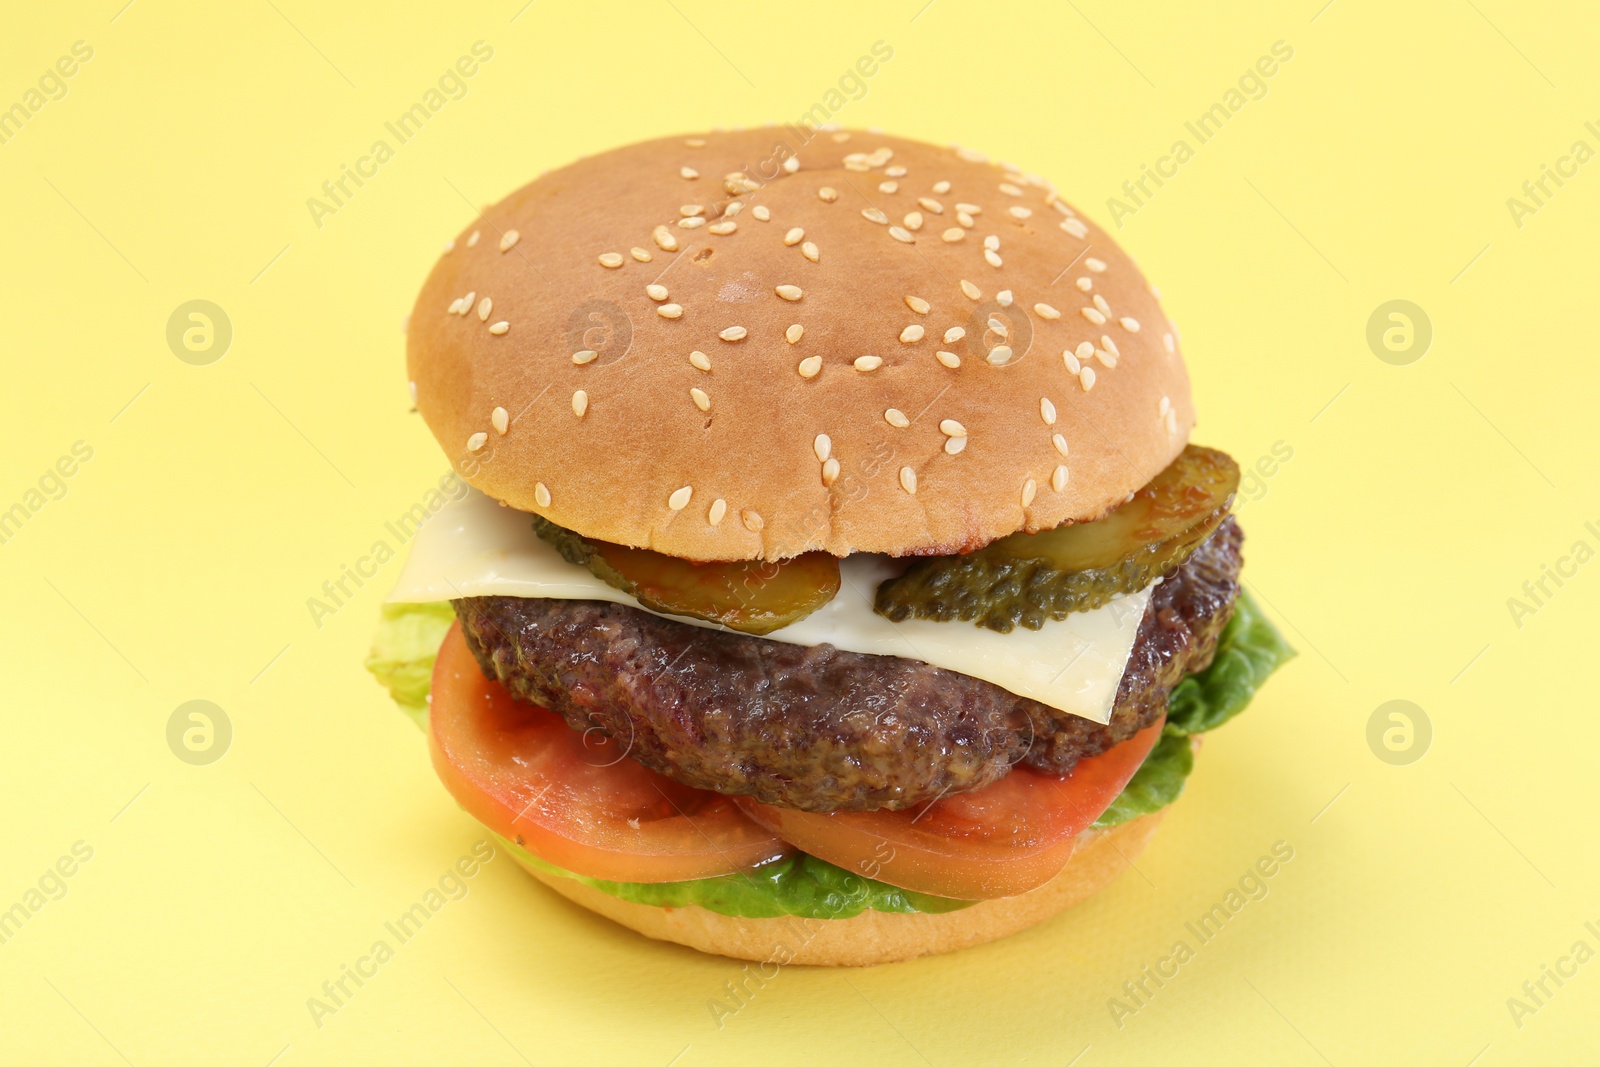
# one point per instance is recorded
(475, 547)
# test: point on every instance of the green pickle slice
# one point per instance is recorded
(753, 596)
(1025, 579)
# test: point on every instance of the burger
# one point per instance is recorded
(832, 579)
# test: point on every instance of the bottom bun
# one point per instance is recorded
(874, 936)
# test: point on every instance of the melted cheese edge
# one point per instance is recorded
(475, 547)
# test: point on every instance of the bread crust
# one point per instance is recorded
(875, 937)
(752, 459)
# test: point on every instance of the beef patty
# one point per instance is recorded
(816, 728)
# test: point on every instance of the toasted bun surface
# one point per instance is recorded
(875, 937)
(779, 437)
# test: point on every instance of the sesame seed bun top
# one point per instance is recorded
(754, 344)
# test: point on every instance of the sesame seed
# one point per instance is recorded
(680, 498)
(690, 210)
(913, 220)
(1085, 283)
(696, 142)
(969, 209)
(1172, 421)
(1108, 359)
(580, 403)
(586, 355)
(413, 386)
(473, 240)
(688, 172)
(794, 236)
(911, 334)
(810, 366)
(917, 304)
(1003, 298)
(972, 291)
(1086, 378)
(1045, 311)
(997, 325)
(508, 239)
(1020, 212)
(927, 203)
(1085, 350)
(952, 235)
(1058, 480)
(868, 363)
(1075, 227)
(896, 418)
(888, 187)
(896, 172)
(954, 445)
(794, 333)
(901, 234)
(733, 333)
(1168, 343)
(752, 519)
(484, 307)
(822, 445)
(500, 327)
(733, 209)
(664, 240)
(611, 260)
(830, 471)
(1166, 406)
(450, 246)
(790, 292)
(941, 187)
(639, 254)
(809, 250)
(828, 193)
(952, 428)
(1060, 443)
(541, 494)
(791, 164)
(500, 419)
(455, 307)
(762, 213)
(1096, 265)
(1047, 411)
(1029, 488)
(1129, 323)
(972, 155)
(1073, 365)
(670, 311)
(1100, 302)
(701, 400)
(908, 480)
(719, 508)
(1093, 316)
(1009, 189)
(691, 222)
(476, 441)
(656, 292)
(965, 221)
(1000, 355)
(700, 360)
(991, 257)
(992, 243)
(466, 302)
(1109, 345)
(722, 229)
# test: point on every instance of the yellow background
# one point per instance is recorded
(219, 498)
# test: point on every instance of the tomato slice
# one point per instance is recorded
(1003, 839)
(572, 798)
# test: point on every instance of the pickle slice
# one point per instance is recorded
(1025, 579)
(753, 596)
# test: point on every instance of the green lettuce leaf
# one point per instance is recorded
(1249, 649)
(798, 885)
(403, 649)
(803, 886)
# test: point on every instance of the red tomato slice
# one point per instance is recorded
(572, 798)
(1003, 839)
